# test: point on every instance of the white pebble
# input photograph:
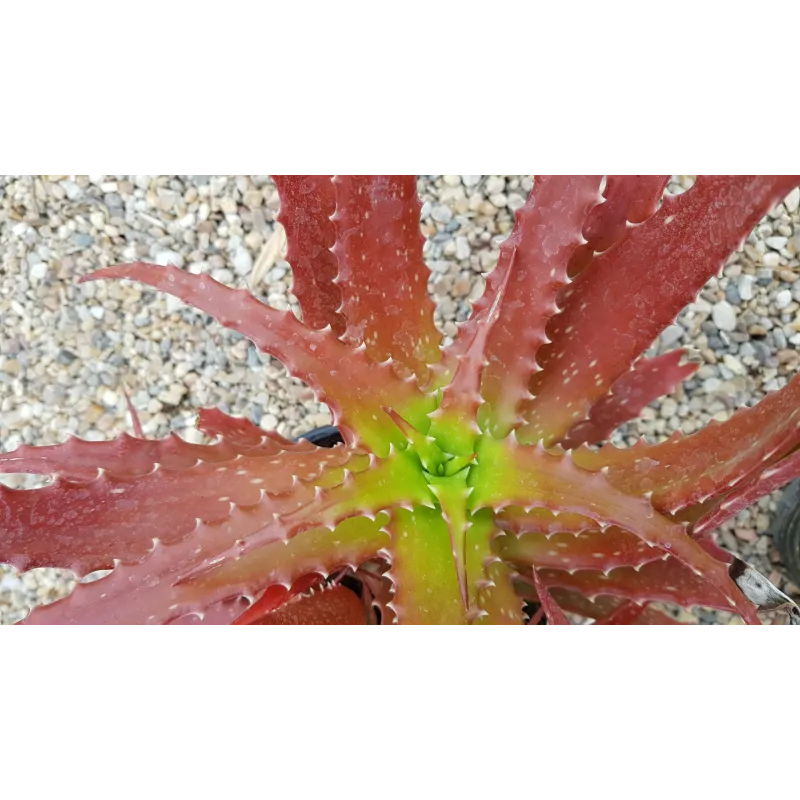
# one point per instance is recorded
(470, 180)
(173, 304)
(733, 364)
(242, 261)
(668, 408)
(745, 286)
(166, 257)
(268, 422)
(172, 395)
(495, 185)
(462, 248)
(783, 298)
(515, 201)
(442, 214)
(724, 316)
(38, 271)
(776, 242)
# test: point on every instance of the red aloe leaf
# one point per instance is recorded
(354, 388)
(144, 592)
(513, 474)
(319, 550)
(81, 460)
(625, 614)
(628, 198)
(571, 601)
(745, 495)
(542, 520)
(314, 601)
(665, 580)
(652, 616)
(220, 615)
(706, 541)
(611, 313)
(179, 579)
(307, 204)
(352, 497)
(508, 322)
(599, 550)
(604, 607)
(276, 595)
(555, 616)
(382, 275)
(631, 613)
(687, 470)
(649, 379)
(146, 490)
(331, 605)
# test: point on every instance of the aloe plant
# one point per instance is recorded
(468, 484)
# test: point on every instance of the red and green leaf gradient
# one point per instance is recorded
(464, 487)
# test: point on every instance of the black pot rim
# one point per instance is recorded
(325, 436)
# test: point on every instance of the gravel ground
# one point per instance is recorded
(68, 351)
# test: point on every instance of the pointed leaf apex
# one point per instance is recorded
(430, 455)
(458, 463)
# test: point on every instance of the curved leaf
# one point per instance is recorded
(611, 313)
(354, 388)
(687, 470)
(554, 613)
(320, 550)
(745, 495)
(498, 345)
(511, 474)
(664, 580)
(140, 491)
(648, 379)
(180, 579)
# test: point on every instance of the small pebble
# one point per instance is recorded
(671, 334)
(745, 286)
(783, 298)
(724, 315)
